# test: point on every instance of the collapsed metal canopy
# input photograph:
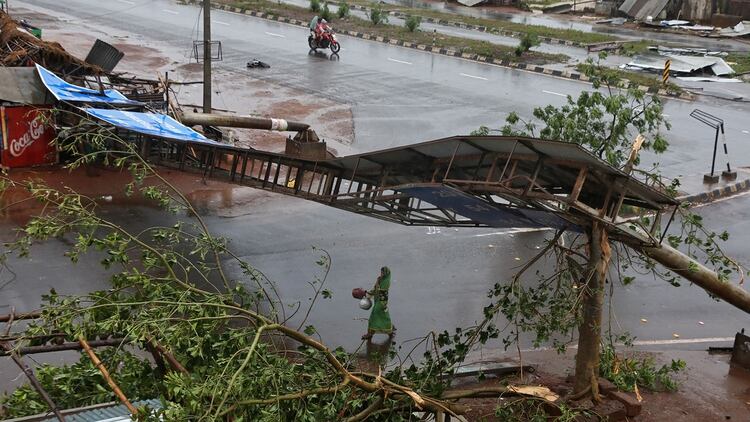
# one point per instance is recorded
(472, 181)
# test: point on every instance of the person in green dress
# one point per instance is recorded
(380, 319)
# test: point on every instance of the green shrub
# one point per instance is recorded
(527, 41)
(315, 5)
(343, 10)
(378, 15)
(412, 22)
(326, 13)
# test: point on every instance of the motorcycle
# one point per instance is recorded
(327, 40)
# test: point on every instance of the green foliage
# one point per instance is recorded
(81, 384)
(605, 121)
(326, 13)
(412, 22)
(536, 410)
(168, 287)
(377, 15)
(315, 5)
(344, 10)
(527, 41)
(626, 373)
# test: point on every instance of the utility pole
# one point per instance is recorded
(206, 56)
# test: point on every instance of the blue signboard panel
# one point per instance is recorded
(159, 125)
(65, 91)
(483, 212)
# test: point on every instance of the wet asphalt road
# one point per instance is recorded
(399, 96)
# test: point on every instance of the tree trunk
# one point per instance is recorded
(698, 274)
(590, 330)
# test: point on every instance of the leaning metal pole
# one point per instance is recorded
(206, 56)
(248, 122)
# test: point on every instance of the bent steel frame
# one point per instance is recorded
(458, 181)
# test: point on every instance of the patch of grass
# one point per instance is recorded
(633, 48)
(740, 62)
(353, 23)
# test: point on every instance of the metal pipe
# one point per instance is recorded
(204, 119)
(206, 56)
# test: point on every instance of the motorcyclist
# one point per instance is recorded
(320, 27)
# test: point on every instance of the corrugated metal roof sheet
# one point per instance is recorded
(416, 154)
(107, 412)
(641, 9)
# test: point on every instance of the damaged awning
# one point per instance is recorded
(152, 124)
(489, 214)
(65, 91)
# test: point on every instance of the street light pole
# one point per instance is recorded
(207, 56)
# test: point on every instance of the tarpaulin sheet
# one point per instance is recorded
(159, 125)
(65, 91)
(480, 211)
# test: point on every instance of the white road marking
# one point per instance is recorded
(510, 231)
(683, 341)
(473, 77)
(170, 11)
(221, 23)
(275, 35)
(126, 1)
(398, 61)
(745, 132)
(653, 343)
(554, 93)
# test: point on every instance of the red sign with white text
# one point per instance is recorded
(27, 140)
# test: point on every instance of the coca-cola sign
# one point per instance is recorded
(26, 137)
(36, 131)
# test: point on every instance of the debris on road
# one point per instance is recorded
(741, 350)
(682, 64)
(255, 63)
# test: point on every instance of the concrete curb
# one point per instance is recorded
(442, 51)
(715, 194)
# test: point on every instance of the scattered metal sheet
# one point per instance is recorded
(492, 368)
(22, 85)
(152, 124)
(675, 22)
(470, 2)
(740, 30)
(701, 28)
(104, 55)
(685, 51)
(683, 64)
(721, 68)
(707, 79)
(642, 9)
(65, 91)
